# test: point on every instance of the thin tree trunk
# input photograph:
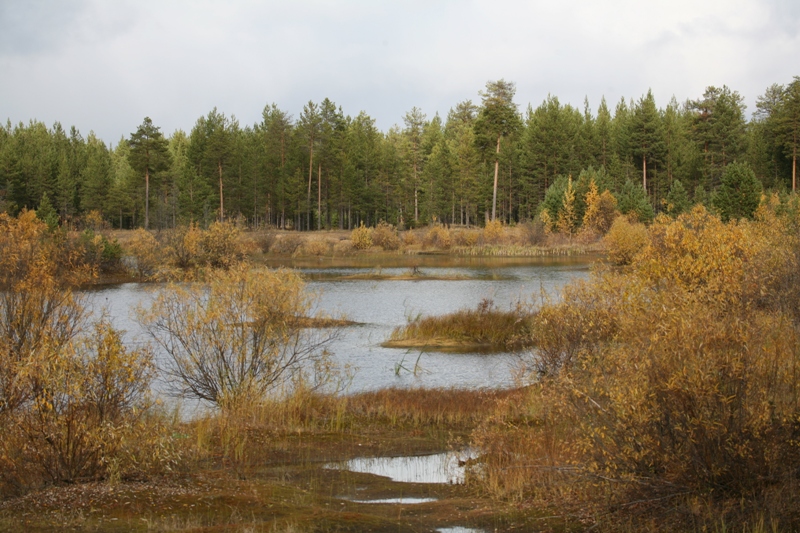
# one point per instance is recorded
(221, 200)
(146, 198)
(644, 173)
(496, 170)
(319, 196)
(310, 174)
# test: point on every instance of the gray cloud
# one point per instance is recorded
(105, 65)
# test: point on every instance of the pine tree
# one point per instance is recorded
(739, 193)
(498, 118)
(148, 155)
(677, 199)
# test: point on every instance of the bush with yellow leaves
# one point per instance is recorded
(385, 236)
(361, 237)
(624, 240)
(437, 236)
(69, 390)
(668, 391)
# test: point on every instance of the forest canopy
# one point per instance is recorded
(324, 169)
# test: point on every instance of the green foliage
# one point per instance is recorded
(47, 213)
(633, 201)
(677, 199)
(738, 194)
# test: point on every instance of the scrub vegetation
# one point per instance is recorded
(661, 394)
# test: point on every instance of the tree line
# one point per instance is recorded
(324, 169)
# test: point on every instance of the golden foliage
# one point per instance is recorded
(624, 240)
(600, 210)
(492, 232)
(566, 215)
(437, 236)
(221, 245)
(385, 236)
(238, 336)
(361, 237)
(669, 383)
(144, 251)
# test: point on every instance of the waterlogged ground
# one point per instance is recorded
(381, 474)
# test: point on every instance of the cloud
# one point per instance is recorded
(105, 65)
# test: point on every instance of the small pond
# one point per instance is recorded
(443, 285)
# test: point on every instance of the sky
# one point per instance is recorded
(103, 65)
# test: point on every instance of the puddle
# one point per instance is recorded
(407, 501)
(437, 468)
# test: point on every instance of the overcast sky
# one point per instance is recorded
(104, 65)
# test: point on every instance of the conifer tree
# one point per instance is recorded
(148, 155)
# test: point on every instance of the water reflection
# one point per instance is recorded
(436, 468)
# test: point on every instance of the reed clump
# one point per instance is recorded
(485, 327)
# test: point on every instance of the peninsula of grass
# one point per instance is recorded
(485, 328)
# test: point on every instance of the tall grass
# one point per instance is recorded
(483, 327)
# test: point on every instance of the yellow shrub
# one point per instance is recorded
(144, 251)
(361, 237)
(438, 237)
(385, 236)
(493, 232)
(315, 247)
(221, 245)
(624, 240)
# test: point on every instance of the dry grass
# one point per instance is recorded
(483, 328)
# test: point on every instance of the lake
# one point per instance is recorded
(443, 284)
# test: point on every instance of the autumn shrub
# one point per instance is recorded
(98, 252)
(315, 247)
(437, 236)
(238, 336)
(286, 244)
(385, 236)
(85, 397)
(344, 247)
(361, 237)
(221, 245)
(532, 233)
(624, 240)
(465, 237)
(68, 390)
(666, 392)
(492, 232)
(409, 238)
(144, 252)
(184, 246)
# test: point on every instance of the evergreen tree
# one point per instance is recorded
(148, 155)
(47, 213)
(633, 200)
(788, 124)
(647, 134)
(677, 199)
(498, 118)
(739, 193)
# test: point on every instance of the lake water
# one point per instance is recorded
(380, 306)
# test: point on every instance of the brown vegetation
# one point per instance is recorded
(668, 392)
(483, 328)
